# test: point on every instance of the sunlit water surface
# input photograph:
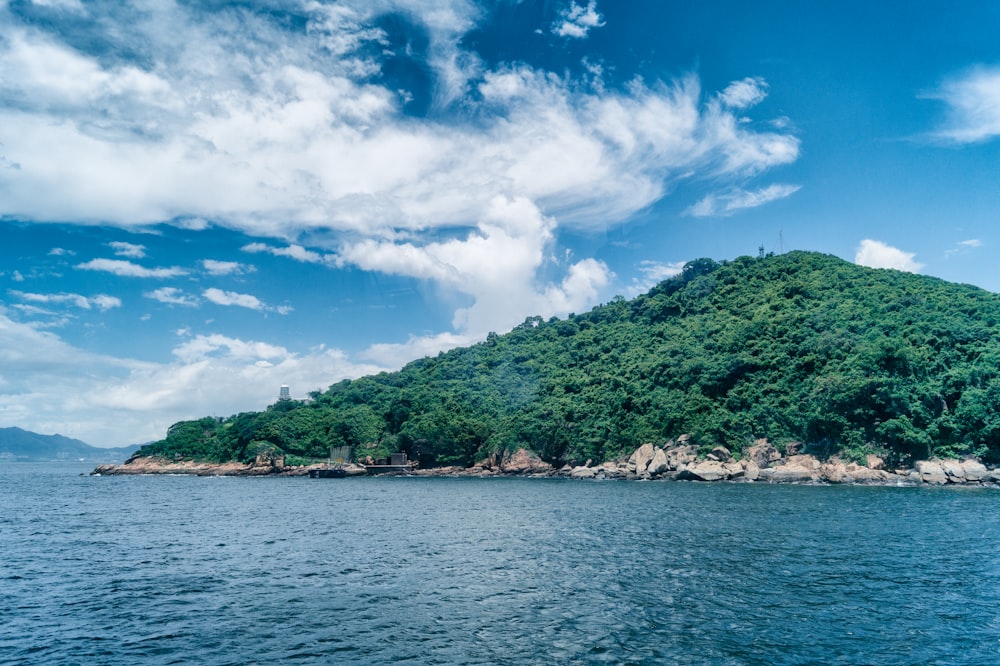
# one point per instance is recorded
(187, 570)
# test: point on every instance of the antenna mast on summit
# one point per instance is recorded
(781, 241)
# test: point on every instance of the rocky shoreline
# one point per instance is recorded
(761, 463)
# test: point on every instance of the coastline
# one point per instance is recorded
(761, 463)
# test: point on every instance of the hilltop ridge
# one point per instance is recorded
(797, 348)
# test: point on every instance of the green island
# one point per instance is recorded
(811, 353)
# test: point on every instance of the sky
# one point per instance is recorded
(203, 201)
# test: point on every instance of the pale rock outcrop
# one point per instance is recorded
(658, 465)
(642, 457)
(583, 473)
(751, 472)
(930, 472)
(975, 471)
(681, 455)
(705, 470)
(721, 454)
(762, 453)
(523, 461)
(953, 470)
(874, 462)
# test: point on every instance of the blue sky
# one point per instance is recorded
(202, 201)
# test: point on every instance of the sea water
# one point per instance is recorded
(191, 570)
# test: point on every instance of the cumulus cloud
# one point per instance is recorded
(124, 268)
(396, 355)
(101, 302)
(109, 401)
(220, 297)
(876, 254)
(215, 267)
(296, 252)
(578, 20)
(172, 296)
(130, 250)
(736, 200)
(497, 264)
(973, 101)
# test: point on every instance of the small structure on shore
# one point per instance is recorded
(397, 463)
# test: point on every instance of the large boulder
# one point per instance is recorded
(721, 454)
(642, 457)
(523, 461)
(975, 471)
(658, 465)
(930, 472)
(705, 470)
(583, 473)
(751, 472)
(953, 470)
(797, 469)
(681, 455)
(762, 454)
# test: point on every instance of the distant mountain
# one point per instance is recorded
(17, 445)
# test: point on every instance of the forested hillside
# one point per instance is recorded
(798, 347)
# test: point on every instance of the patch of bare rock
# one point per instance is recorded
(678, 460)
(764, 463)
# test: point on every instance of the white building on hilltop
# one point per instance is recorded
(283, 393)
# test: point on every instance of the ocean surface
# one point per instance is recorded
(188, 570)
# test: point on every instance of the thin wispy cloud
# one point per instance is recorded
(101, 302)
(962, 247)
(973, 101)
(124, 268)
(736, 200)
(876, 254)
(296, 252)
(652, 273)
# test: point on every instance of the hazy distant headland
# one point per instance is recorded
(18, 445)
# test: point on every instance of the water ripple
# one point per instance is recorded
(118, 570)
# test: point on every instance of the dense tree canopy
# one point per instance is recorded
(798, 347)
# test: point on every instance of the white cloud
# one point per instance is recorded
(214, 267)
(577, 20)
(652, 273)
(130, 250)
(71, 5)
(395, 356)
(108, 401)
(172, 296)
(738, 199)
(973, 100)
(497, 264)
(962, 247)
(744, 94)
(220, 297)
(876, 254)
(102, 302)
(296, 252)
(128, 269)
(61, 252)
